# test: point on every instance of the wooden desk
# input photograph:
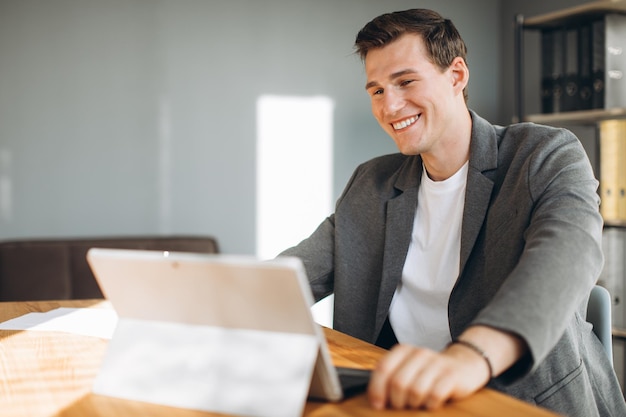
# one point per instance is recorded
(46, 374)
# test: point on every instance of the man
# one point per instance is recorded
(476, 246)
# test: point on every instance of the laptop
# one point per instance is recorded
(225, 291)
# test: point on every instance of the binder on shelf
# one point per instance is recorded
(546, 70)
(585, 91)
(570, 94)
(615, 61)
(613, 171)
(552, 69)
(597, 63)
(584, 67)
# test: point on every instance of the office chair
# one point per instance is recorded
(599, 315)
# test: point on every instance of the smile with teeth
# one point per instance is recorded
(405, 123)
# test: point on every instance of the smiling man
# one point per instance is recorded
(472, 252)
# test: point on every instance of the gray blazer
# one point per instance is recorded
(530, 253)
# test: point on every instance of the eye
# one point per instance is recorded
(405, 83)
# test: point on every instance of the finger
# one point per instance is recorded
(433, 367)
(410, 383)
(452, 381)
(378, 388)
(441, 392)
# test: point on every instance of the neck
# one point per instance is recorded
(453, 152)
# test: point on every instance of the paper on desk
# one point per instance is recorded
(231, 371)
(96, 322)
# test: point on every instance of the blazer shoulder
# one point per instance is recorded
(538, 142)
(535, 134)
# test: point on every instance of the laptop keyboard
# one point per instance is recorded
(353, 381)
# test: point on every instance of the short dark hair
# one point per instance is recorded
(441, 38)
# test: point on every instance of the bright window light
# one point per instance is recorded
(294, 174)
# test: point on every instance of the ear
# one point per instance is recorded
(460, 74)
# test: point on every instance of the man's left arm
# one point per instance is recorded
(562, 255)
(415, 377)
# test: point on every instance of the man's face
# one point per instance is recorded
(412, 98)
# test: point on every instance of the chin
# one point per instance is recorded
(408, 151)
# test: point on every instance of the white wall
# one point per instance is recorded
(138, 116)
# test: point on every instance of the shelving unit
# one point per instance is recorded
(581, 117)
(570, 16)
(603, 119)
(576, 14)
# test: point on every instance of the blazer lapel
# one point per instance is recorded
(399, 221)
(483, 157)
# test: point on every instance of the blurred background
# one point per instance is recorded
(239, 119)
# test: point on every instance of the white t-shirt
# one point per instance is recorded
(419, 309)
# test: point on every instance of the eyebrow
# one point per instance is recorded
(393, 77)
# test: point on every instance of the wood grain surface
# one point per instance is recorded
(49, 374)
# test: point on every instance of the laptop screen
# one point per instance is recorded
(226, 291)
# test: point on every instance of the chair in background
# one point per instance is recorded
(57, 269)
(599, 315)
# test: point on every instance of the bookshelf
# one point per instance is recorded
(578, 116)
(598, 52)
(572, 18)
(576, 14)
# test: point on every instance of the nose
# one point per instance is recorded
(392, 102)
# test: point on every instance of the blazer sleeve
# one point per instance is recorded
(316, 253)
(562, 251)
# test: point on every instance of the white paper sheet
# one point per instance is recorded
(232, 371)
(96, 322)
